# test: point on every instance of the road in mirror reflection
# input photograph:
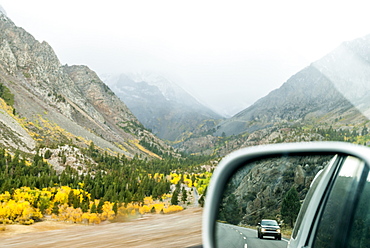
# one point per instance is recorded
(259, 190)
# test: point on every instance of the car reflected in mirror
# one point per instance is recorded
(256, 187)
(264, 192)
(268, 228)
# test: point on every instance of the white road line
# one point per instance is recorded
(245, 246)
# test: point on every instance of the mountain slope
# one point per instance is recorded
(327, 100)
(333, 84)
(162, 106)
(58, 104)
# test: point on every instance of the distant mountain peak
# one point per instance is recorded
(170, 89)
(160, 104)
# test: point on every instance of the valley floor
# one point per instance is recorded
(182, 229)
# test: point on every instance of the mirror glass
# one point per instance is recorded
(262, 199)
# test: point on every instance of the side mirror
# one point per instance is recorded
(255, 183)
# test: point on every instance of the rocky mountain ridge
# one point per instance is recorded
(257, 190)
(57, 104)
(329, 99)
(61, 104)
(161, 105)
(337, 82)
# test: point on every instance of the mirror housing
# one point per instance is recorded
(232, 162)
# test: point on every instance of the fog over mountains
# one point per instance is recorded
(337, 82)
(56, 103)
(336, 87)
(333, 91)
(160, 104)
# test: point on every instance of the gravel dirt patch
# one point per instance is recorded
(182, 229)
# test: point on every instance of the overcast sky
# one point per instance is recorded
(227, 53)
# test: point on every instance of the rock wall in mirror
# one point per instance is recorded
(259, 190)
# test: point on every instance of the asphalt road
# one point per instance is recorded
(231, 236)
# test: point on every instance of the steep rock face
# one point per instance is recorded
(162, 106)
(257, 190)
(65, 103)
(12, 134)
(102, 104)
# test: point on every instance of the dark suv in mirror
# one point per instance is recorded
(268, 228)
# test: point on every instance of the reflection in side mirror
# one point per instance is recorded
(257, 192)
(265, 192)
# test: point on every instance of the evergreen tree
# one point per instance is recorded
(93, 208)
(55, 209)
(99, 208)
(184, 195)
(115, 208)
(364, 131)
(76, 202)
(175, 196)
(71, 197)
(47, 154)
(290, 206)
(230, 210)
(85, 206)
(152, 210)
